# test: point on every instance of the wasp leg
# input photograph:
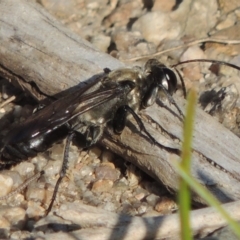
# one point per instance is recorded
(150, 97)
(93, 134)
(63, 170)
(120, 121)
(90, 132)
(171, 100)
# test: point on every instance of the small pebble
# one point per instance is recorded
(152, 199)
(40, 161)
(52, 168)
(102, 185)
(4, 223)
(109, 206)
(106, 172)
(88, 196)
(6, 183)
(101, 42)
(162, 27)
(121, 185)
(165, 206)
(192, 71)
(16, 216)
(228, 22)
(163, 5)
(16, 199)
(95, 152)
(25, 169)
(35, 194)
(21, 235)
(125, 39)
(139, 196)
(126, 196)
(142, 209)
(34, 210)
(16, 177)
(85, 170)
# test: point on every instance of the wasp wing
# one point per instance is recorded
(60, 112)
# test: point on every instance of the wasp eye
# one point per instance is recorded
(170, 80)
(168, 77)
(165, 83)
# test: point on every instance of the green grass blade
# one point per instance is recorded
(208, 197)
(184, 195)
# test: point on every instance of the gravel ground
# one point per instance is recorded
(131, 31)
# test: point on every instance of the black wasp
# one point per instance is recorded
(87, 111)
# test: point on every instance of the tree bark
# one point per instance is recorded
(44, 58)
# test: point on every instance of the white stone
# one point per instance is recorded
(25, 169)
(15, 215)
(6, 184)
(157, 26)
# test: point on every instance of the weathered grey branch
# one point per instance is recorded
(37, 48)
(108, 225)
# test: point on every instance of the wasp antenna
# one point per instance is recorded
(207, 60)
(183, 83)
(171, 100)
